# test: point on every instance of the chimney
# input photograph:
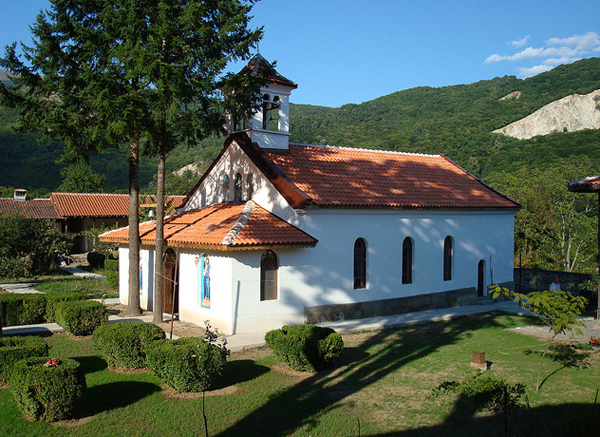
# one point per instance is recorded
(19, 195)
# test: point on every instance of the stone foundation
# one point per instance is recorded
(399, 305)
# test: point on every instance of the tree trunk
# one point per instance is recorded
(133, 299)
(160, 243)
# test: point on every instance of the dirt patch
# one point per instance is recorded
(127, 371)
(82, 420)
(286, 370)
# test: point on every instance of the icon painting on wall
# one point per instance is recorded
(204, 281)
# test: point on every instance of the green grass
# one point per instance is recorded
(382, 384)
(92, 288)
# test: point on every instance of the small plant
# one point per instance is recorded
(125, 344)
(594, 341)
(188, 364)
(13, 349)
(306, 347)
(47, 390)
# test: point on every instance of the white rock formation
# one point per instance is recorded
(569, 114)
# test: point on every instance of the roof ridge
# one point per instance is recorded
(91, 194)
(327, 146)
(239, 224)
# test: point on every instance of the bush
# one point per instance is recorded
(81, 317)
(113, 279)
(188, 364)
(306, 347)
(47, 390)
(23, 309)
(112, 265)
(56, 298)
(96, 259)
(15, 268)
(13, 349)
(125, 344)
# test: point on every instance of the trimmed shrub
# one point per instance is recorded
(112, 265)
(125, 344)
(47, 390)
(81, 317)
(58, 297)
(113, 280)
(95, 259)
(13, 349)
(188, 364)
(306, 347)
(23, 308)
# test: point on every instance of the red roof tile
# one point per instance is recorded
(590, 184)
(101, 204)
(31, 209)
(362, 178)
(221, 226)
(91, 204)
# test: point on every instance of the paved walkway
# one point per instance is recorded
(79, 272)
(238, 342)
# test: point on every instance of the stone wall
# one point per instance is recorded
(527, 280)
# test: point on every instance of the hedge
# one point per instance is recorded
(58, 297)
(113, 280)
(306, 347)
(81, 317)
(112, 265)
(125, 344)
(188, 364)
(96, 259)
(23, 309)
(13, 349)
(47, 390)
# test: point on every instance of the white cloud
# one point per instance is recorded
(555, 51)
(520, 42)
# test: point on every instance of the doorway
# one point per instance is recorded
(170, 284)
(480, 278)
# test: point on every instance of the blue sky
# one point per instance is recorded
(351, 51)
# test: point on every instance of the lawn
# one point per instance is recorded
(381, 386)
(92, 288)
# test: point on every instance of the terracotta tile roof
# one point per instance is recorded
(31, 209)
(590, 184)
(102, 205)
(220, 227)
(91, 204)
(361, 178)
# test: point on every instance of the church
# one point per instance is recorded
(276, 233)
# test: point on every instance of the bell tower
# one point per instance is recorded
(270, 126)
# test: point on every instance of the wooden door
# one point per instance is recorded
(170, 288)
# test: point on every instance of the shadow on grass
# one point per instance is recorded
(361, 365)
(237, 372)
(113, 395)
(91, 364)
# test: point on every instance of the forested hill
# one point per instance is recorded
(458, 121)
(454, 120)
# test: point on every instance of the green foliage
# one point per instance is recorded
(81, 178)
(13, 349)
(81, 317)
(23, 309)
(188, 364)
(38, 242)
(96, 259)
(48, 392)
(113, 280)
(560, 310)
(112, 265)
(126, 344)
(52, 299)
(306, 347)
(487, 392)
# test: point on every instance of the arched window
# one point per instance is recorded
(271, 112)
(226, 188)
(407, 260)
(250, 184)
(237, 188)
(268, 275)
(448, 253)
(360, 263)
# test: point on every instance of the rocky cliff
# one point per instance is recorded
(572, 113)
